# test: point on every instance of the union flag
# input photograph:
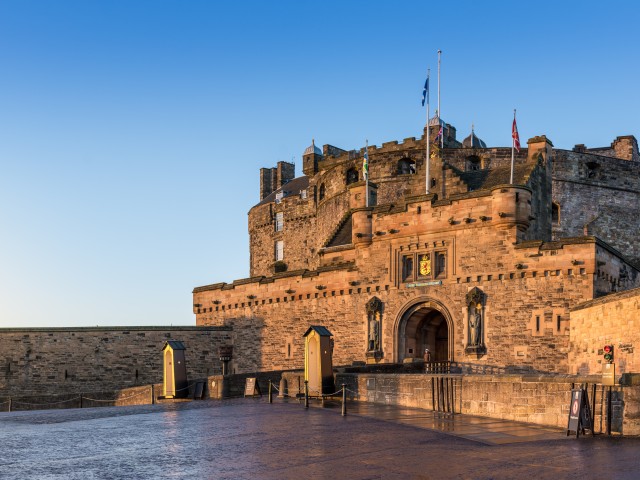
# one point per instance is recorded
(514, 134)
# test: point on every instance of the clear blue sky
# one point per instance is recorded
(132, 132)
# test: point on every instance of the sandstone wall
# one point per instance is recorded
(45, 361)
(520, 283)
(542, 400)
(614, 320)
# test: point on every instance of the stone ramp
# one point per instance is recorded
(490, 431)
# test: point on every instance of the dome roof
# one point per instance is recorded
(312, 149)
(472, 141)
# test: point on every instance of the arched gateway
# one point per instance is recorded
(424, 323)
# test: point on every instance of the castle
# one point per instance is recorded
(479, 270)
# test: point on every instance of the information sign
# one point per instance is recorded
(251, 387)
(579, 413)
(609, 374)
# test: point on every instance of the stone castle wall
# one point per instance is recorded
(47, 361)
(521, 282)
(612, 320)
(600, 195)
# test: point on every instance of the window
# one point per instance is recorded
(303, 194)
(473, 164)
(406, 167)
(555, 213)
(352, 176)
(279, 197)
(441, 264)
(322, 192)
(279, 221)
(407, 268)
(279, 250)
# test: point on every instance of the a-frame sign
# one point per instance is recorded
(580, 418)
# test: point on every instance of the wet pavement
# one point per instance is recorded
(248, 438)
(486, 430)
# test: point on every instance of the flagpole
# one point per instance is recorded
(439, 111)
(513, 148)
(366, 180)
(428, 130)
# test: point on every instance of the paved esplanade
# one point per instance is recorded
(248, 438)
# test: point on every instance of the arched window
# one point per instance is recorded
(473, 163)
(352, 176)
(322, 192)
(406, 166)
(555, 213)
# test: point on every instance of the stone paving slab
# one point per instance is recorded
(248, 438)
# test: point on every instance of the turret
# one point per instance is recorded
(310, 158)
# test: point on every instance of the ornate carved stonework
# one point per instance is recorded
(374, 325)
(475, 317)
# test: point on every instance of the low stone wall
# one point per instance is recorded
(55, 361)
(542, 400)
(213, 388)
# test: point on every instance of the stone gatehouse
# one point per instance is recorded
(447, 255)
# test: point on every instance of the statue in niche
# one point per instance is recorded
(475, 314)
(374, 315)
(475, 326)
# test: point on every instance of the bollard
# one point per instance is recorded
(344, 399)
(283, 388)
(153, 397)
(10, 403)
(80, 400)
(270, 397)
(306, 394)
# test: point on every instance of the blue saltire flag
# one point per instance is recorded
(425, 92)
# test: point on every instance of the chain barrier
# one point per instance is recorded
(186, 388)
(74, 399)
(115, 399)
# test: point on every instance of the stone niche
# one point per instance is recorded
(475, 305)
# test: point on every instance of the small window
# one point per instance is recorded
(303, 194)
(279, 248)
(473, 164)
(279, 221)
(352, 176)
(407, 268)
(322, 192)
(406, 167)
(555, 213)
(441, 265)
(537, 323)
(279, 197)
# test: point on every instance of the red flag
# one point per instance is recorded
(514, 135)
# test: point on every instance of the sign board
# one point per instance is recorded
(609, 374)
(251, 387)
(579, 413)
(424, 284)
(198, 391)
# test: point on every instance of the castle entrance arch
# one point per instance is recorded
(424, 324)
